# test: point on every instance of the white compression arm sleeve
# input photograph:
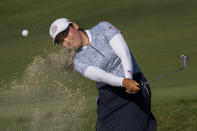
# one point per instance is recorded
(100, 75)
(121, 49)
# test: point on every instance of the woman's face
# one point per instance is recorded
(73, 39)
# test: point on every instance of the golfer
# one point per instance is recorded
(102, 55)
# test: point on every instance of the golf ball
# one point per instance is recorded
(25, 32)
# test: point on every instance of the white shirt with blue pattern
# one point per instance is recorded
(101, 55)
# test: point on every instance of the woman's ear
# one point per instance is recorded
(75, 25)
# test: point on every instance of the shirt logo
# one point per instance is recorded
(129, 71)
(54, 28)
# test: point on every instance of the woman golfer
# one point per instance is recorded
(103, 56)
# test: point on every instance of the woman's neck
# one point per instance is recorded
(85, 39)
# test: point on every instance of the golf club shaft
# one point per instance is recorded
(167, 74)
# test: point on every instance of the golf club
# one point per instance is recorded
(184, 59)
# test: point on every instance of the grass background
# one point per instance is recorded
(35, 91)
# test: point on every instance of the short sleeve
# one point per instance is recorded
(108, 30)
(80, 66)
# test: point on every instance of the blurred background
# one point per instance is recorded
(37, 93)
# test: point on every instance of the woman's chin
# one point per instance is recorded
(77, 47)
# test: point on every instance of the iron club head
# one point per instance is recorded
(184, 59)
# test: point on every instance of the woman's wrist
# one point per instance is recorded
(125, 82)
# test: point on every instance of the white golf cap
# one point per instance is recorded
(58, 26)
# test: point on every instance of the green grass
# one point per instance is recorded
(178, 116)
(32, 87)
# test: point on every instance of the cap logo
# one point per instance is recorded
(112, 28)
(54, 28)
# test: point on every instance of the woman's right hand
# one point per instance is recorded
(130, 85)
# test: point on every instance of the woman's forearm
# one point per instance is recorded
(100, 75)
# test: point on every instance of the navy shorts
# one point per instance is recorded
(120, 111)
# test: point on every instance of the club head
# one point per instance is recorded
(184, 59)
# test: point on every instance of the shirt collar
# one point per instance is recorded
(89, 35)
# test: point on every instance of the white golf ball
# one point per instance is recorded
(25, 33)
